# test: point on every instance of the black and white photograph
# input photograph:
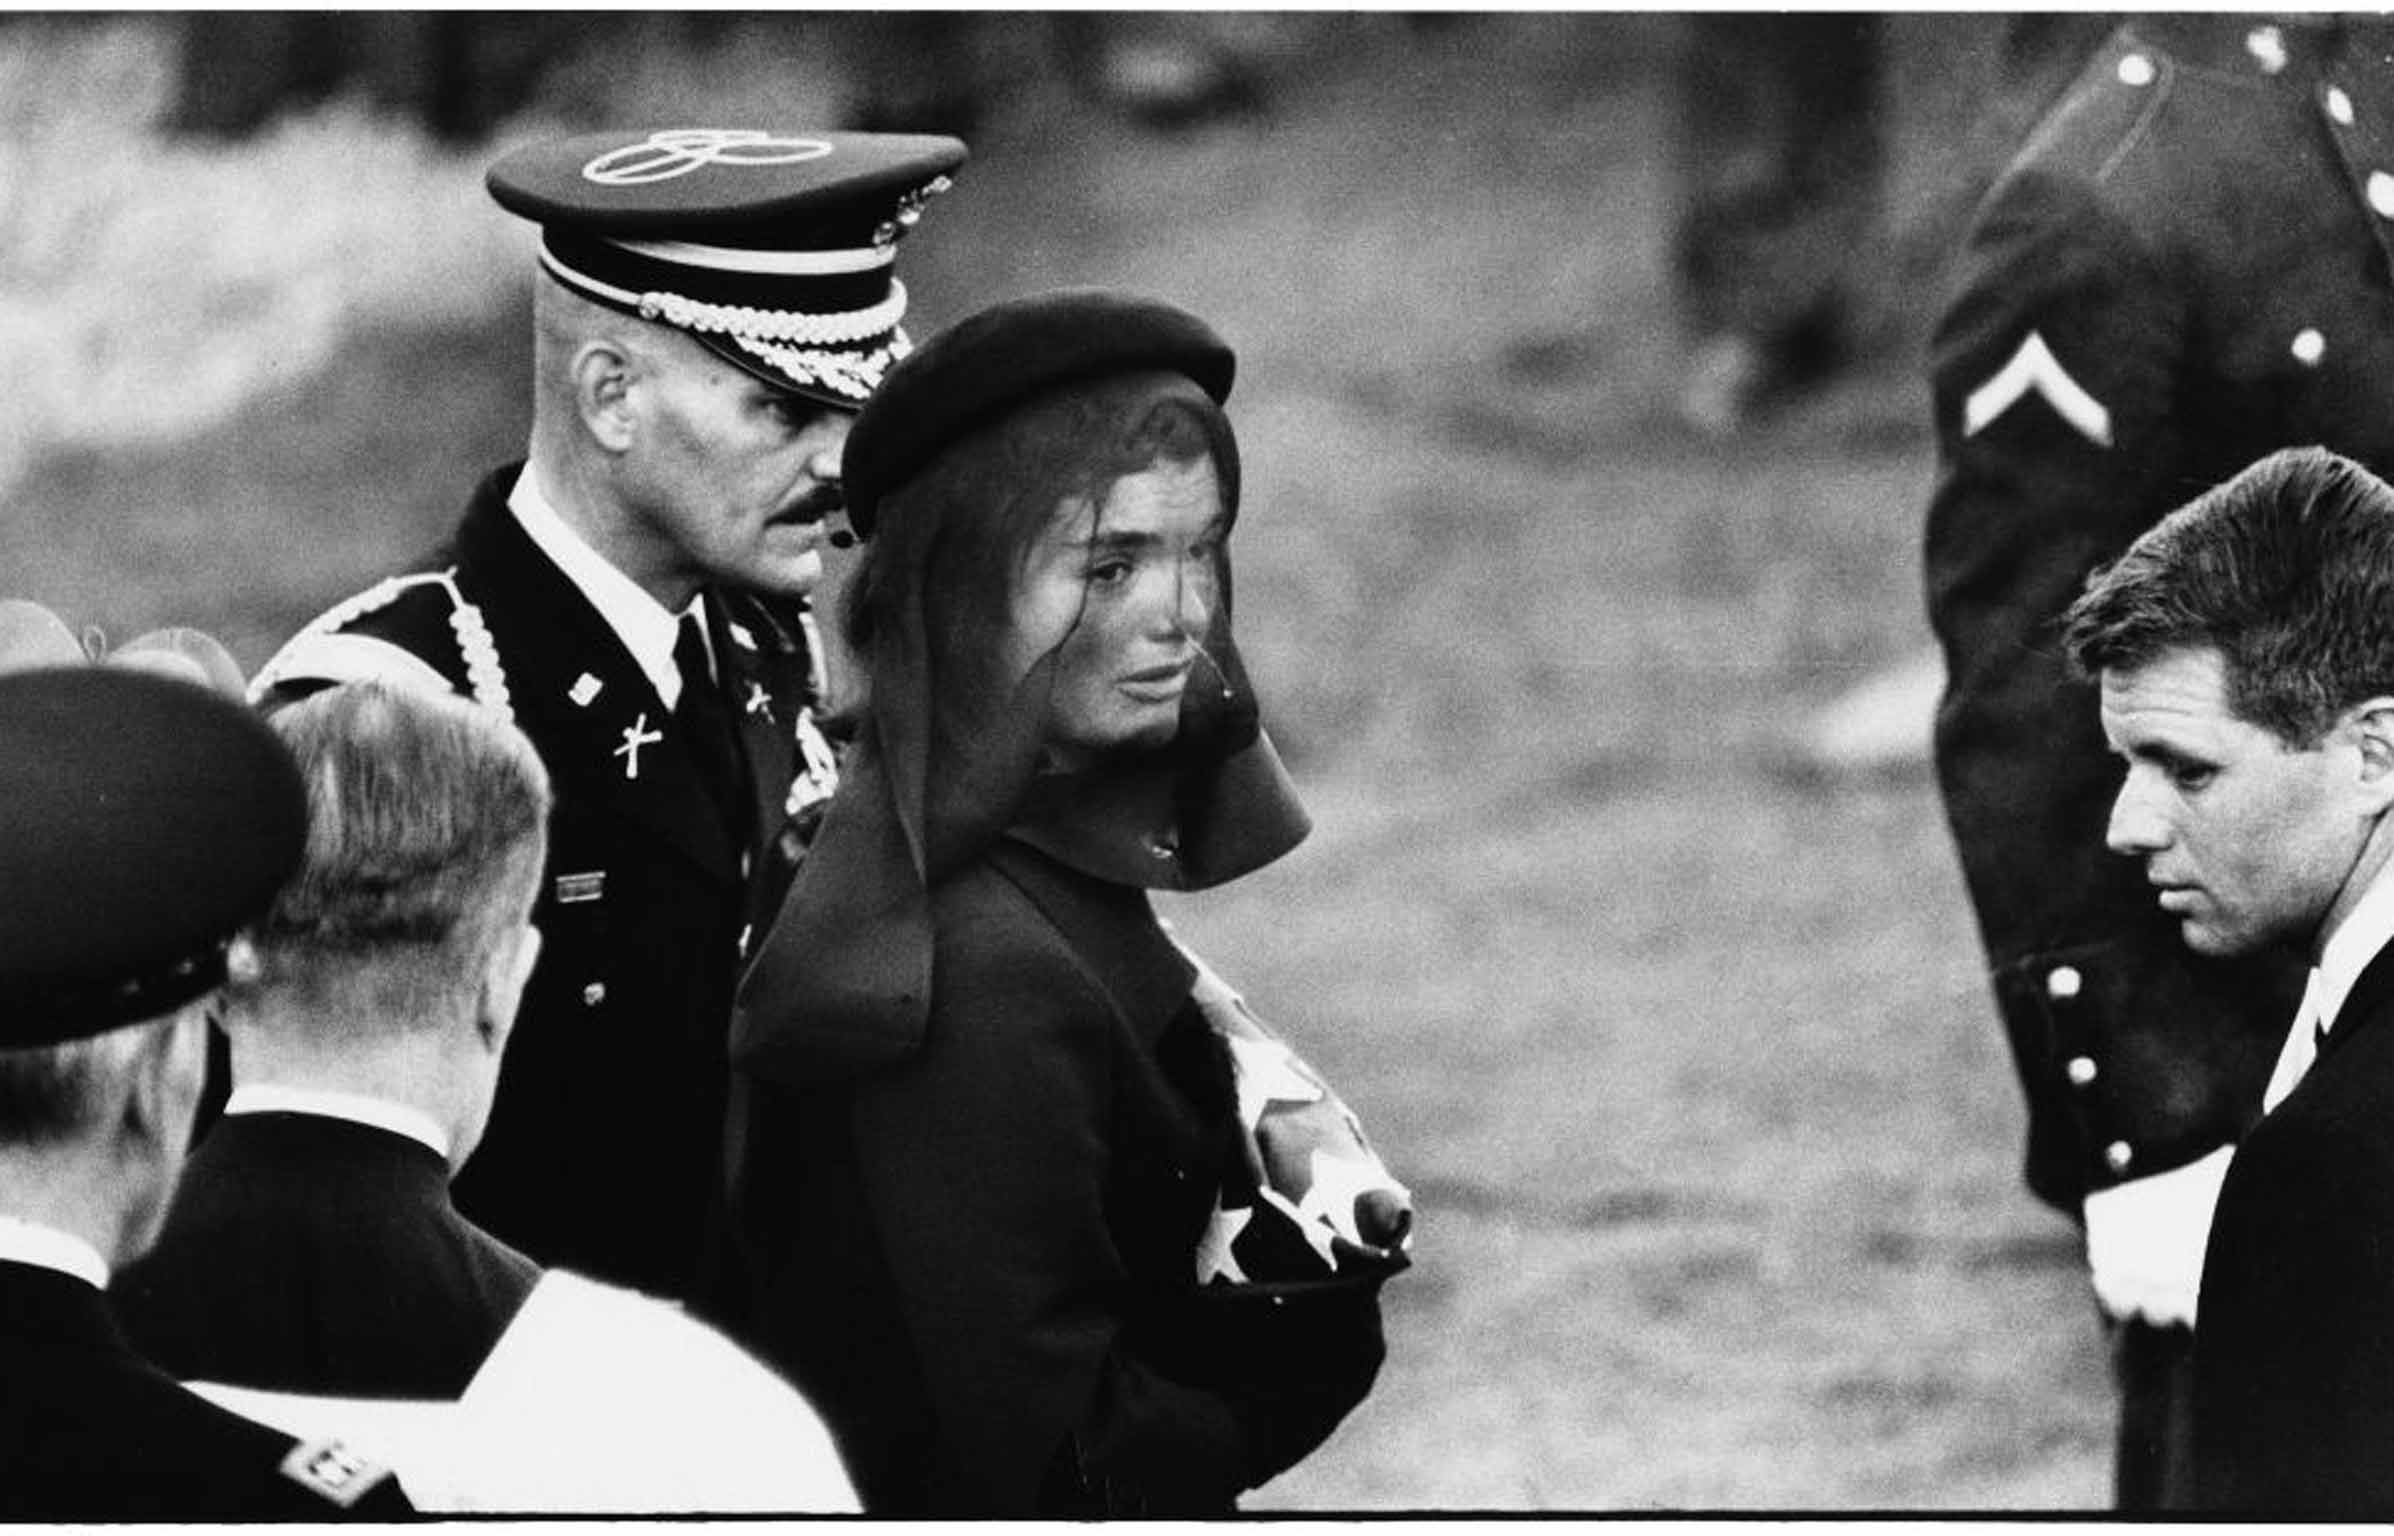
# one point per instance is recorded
(1076, 765)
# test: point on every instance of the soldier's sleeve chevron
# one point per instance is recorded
(2033, 369)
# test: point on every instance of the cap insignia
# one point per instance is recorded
(672, 152)
(909, 211)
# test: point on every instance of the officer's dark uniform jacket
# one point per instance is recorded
(316, 1266)
(2187, 266)
(357, 1279)
(91, 1431)
(604, 1149)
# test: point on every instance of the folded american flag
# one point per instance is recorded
(1313, 1201)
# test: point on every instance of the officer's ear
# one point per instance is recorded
(2371, 723)
(504, 978)
(166, 1066)
(604, 369)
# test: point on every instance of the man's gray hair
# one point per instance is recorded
(427, 829)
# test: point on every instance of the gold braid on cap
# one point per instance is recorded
(782, 325)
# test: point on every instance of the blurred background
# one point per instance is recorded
(1587, 445)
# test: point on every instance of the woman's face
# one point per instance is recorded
(1122, 598)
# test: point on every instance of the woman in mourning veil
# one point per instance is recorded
(984, 1131)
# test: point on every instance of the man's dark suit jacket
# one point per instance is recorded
(91, 1431)
(307, 1254)
(2294, 1358)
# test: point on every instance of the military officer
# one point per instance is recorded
(147, 818)
(2187, 266)
(712, 307)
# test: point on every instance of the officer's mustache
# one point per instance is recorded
(821, 501)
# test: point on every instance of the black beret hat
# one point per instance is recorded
(772, 249)
(148, 819)
(978, 368)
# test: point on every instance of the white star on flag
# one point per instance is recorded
(1267, 1070)
(1214, 1259)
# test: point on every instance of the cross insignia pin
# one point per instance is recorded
(759, 701)
(635, 736)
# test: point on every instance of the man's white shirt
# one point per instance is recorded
(362, 1109)
(2367, 929)
(29, 1242)
(645, 626)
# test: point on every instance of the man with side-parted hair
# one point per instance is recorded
(313, 1269)
(2244, 648)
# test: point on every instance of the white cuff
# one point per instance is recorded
(2145, 1240)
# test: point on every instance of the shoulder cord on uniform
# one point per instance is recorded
(486, 676)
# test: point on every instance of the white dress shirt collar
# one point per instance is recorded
(25, 1242)
(2368, 928)
(648, 630)
(399, 1119)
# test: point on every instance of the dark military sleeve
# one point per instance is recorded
(2057, 371)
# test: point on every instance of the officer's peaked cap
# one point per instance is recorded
(773, 248)
(990, 361)
(148, 819)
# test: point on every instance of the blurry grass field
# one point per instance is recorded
(1686, 1057)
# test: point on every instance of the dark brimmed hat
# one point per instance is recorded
(983, 365)
(148, 819)
(774, 250)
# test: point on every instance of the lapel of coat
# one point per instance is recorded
(605, 736)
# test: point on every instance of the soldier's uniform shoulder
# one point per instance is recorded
(418, 629)
(2103, 115)
(147, 1448)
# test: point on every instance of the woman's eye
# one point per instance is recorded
(1109, 572)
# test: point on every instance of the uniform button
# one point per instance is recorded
(2136, 69)
(2268, 45)
(2118, 1156)
(594, 994)
(2381, 193)
(2339, 105)
(2082, 1070)
(2308, 347)
(2062, 983)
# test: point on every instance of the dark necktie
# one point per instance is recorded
(706, 725)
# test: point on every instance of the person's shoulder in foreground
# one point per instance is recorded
(105, 986)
